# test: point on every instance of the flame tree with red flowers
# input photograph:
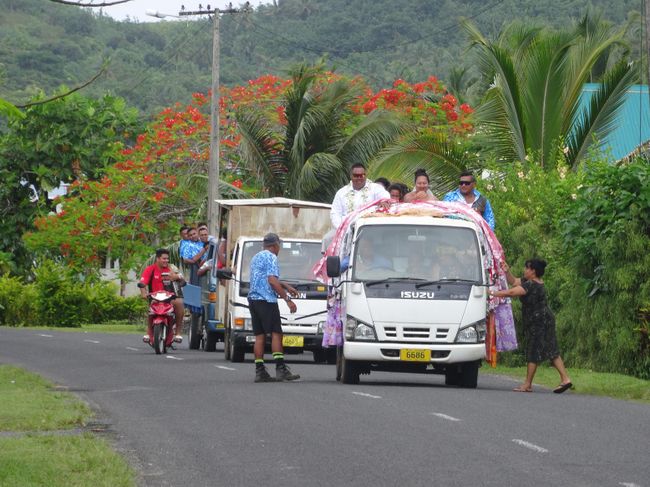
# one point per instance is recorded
(295, 137)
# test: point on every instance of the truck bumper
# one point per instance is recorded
(441, 353)
(246, 339)
(215, 326)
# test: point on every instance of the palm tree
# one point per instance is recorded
(536, 76)
(310, 156)
(443, 158)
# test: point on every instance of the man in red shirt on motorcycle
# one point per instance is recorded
(161, 276)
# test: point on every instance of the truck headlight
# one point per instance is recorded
(473, 333)
(357, 330)
(243, 323)
(364, 332)
(319, 328)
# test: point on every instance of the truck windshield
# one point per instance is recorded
(296, 260)
(417, 252)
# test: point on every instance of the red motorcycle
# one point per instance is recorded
(161, 321)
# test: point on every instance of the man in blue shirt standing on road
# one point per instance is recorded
(467, 193)
(265, 287)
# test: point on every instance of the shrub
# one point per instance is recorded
(17, 302)
(107, 306)
(60, 299)
(606, 242)
(528, 203)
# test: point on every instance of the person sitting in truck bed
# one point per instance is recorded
(192, 253)
(355, 195)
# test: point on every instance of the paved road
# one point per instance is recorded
(192, 419)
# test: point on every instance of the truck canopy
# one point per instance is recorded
(287, 217)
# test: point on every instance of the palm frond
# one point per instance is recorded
(259, 153)
(598, 120)
(378, 130)
(544, 75)
(442, 160)
(505, 92)
(584, 55)
(320, 177)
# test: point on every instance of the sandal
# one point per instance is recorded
(523, 389)
(562, 387)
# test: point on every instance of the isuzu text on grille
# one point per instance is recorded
(417, 294)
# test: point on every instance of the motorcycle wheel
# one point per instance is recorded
(159, 339)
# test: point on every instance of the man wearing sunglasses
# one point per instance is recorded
(359, 192)
(468, 194)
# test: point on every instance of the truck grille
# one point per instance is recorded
(419, 333)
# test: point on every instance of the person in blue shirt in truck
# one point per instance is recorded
(468, 194)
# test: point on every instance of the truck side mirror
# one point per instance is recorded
(224, 274)
(333, 266)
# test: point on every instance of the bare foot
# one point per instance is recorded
(523, 389)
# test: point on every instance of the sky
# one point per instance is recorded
(136, 9)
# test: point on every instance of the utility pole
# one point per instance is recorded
(213, 166)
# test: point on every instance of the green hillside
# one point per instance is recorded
(152, 65)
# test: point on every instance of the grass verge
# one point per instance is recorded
(30, 405)
(62, 461)
(617, 386)
(116, 327)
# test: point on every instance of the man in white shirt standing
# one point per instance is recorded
(355, 195)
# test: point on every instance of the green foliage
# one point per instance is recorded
(606, 242)
(59, 298)
(308, 155)
(528, 203)
(54, 143)
(153, 65)
(536, 77)
(17, 302)
(592, 227)
(106, 306)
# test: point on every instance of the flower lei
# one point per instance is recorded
(349, 197)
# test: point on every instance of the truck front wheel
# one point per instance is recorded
(237, 354)
(319, 355)
(469, 375)
(349, 370)
(226, 344)
(452, 375)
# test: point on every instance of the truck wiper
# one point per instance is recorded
(394, 279)
(300, 281)
(444, 280)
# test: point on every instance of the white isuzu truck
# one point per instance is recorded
(414, 292)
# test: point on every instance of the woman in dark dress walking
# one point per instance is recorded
(539, 323)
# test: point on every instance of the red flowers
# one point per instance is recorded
(238, 183)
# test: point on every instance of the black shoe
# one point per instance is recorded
(283, 373)
(262, 375)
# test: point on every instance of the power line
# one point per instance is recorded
(179, 48)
